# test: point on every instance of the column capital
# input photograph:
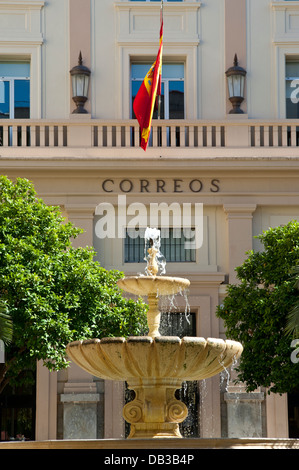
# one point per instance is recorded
(239, 210)
(256, 397)
(80, 397)
(82, 210)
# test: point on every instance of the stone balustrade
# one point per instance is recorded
(93, 133)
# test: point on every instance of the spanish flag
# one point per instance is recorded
(145, 99)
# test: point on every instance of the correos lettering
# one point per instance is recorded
(195, 185)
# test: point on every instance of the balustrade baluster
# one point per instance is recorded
(209, 136)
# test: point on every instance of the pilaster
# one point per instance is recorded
(244, 414)
(46, 403)
(82, 215)
(235, 37)
(277, 416)
(81, 398)
(239, 226)
(80, 37)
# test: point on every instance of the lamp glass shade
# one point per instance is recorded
(236, 85)
(80, 83)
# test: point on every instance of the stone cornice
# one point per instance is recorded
(17, 5)
(285, 5)
(149, 6)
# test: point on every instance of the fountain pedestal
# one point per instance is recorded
(155, 412)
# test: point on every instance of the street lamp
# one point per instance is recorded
(80, 83)
(236, 80)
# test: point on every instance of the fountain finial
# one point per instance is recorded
(155, 260)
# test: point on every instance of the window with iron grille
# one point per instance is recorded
(176, 245)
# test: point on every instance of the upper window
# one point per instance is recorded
(292, 89)
(172, 89)
(14, 90)
(156, 0)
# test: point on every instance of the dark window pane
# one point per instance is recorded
(292, 109)
(22, 99)
(155, 113)
(176, 100)
(4, 100)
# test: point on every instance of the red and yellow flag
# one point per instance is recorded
(145, 99)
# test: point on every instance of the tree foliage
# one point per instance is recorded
(292, 327)
(255, 311)
(54, 293)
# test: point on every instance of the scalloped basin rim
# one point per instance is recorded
(150, 359)
(159, 285)
(157, 339)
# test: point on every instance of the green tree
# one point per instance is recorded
(292, 327)
(54, 293)
(255, 311)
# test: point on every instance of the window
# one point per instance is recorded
(14, 90)
(175, 246)
(172, 94)
(14, 96)
(292, 95)
(172, 89)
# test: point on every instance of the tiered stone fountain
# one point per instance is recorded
(154, 366)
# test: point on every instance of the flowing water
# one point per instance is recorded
(152, 238)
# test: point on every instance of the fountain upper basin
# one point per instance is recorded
(153, 285)
(189, 358)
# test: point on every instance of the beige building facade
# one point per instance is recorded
(242, 168)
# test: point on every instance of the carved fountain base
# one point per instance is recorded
(155, 412)
(154, 368)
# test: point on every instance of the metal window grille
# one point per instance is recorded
(174, 245)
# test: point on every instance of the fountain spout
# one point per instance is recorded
(152, 265)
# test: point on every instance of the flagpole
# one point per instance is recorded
(145, 101)
(159, 98)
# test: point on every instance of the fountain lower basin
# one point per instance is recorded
(154, 368)
(189, 358)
